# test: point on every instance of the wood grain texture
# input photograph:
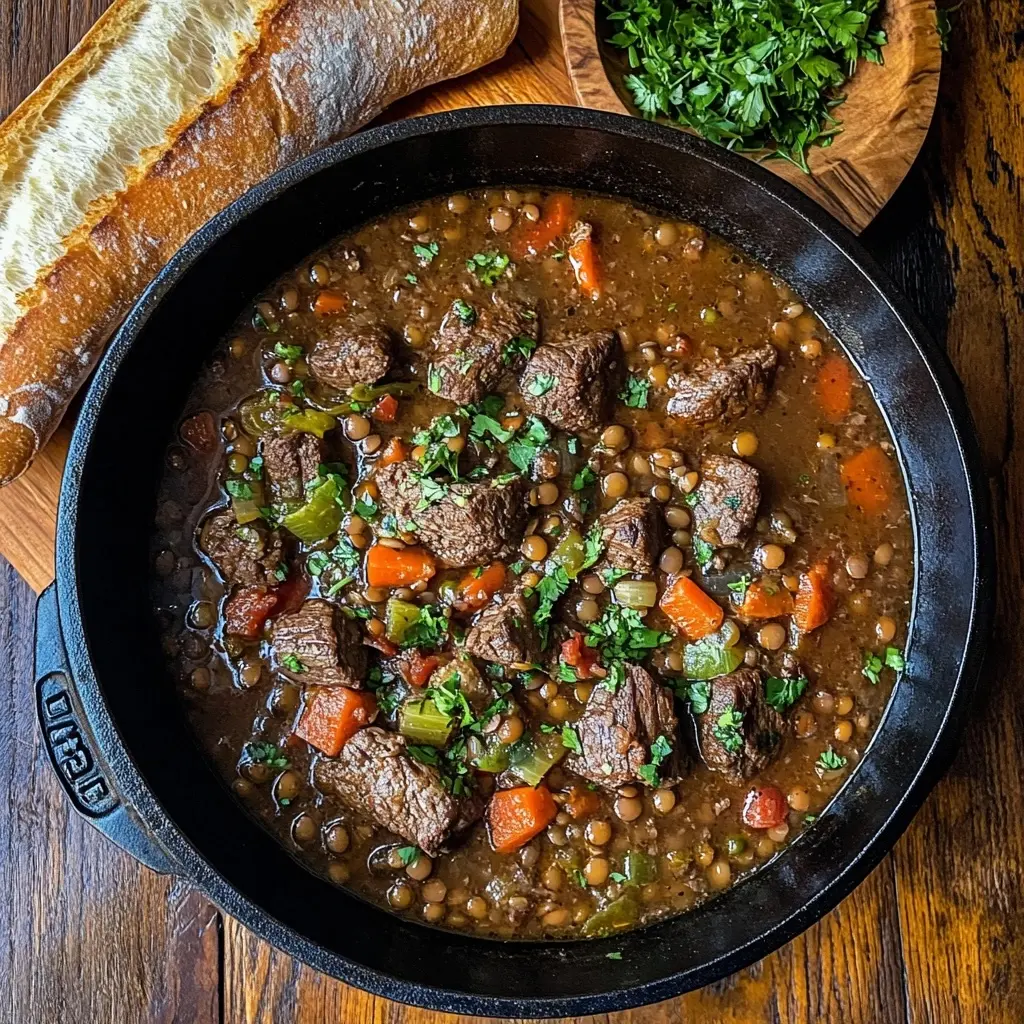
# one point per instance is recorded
(934, 936)
(886, 114)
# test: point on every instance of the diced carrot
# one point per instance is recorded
(419, 667)
(583, 257)
(477, 588)
(247, 610)
(766, 599)
(398, 567)
(576, 654)
(554, 221)
(328, 302)
(834, 388)
(517, 815)
(582, 802)
(693, 611)
(395, 451)
(813, 606)
(333, 715)
(386, 409)
(869, 479)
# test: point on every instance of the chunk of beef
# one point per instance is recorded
(375, 775)
(473, 523)
(724, 389)
(474, 353)
(617, 729)
(327, 646)
(504, 632)
(727, 500)
(632, 533)
(740, 732)
(573, 382)
(242, 554)
(291, 462)
(354, 352)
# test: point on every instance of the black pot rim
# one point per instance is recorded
(146, 805)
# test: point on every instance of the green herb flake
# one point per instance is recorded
(268, 754)
(661, 749)
(570, 740)
(727, 730)
(488, 266)
(698, 693)
(636, 393)
(426, 253)
(830, 761)
(542, 384)
(703, 552)
(408, 854)
(586, 477)
(412, 278)
(365, 507)
(894, 659)
(784, 693)
(293, 663)
(289, 353)
(739, 587)
(465, 312)
(522, 345)
(872, 667)
(239, 489)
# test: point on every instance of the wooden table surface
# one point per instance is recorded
(935, 934)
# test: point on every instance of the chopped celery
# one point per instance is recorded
(320, 516)
(636, 593)
(370, 393)
(570, 553)
(398, 617)
(533, 756)
(309, 421)
(619, 914)
(260, 412)
(420, 721)
(494, 757)
(708, 659)
(245, 510)
(640, 868)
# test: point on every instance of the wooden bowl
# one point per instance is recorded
(885, 117)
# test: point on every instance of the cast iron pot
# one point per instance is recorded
(107, 704)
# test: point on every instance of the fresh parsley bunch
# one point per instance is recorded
(751, 75)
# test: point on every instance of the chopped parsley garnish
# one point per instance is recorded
(691, 499)
(434, 381)
(542, 384)
(239, 489)
(593, 546)
(289, 353)
(894, 659)
(731, 501)
(268, 754)
(727, 730)
(573, 445)
(407, 854)
(783, 693)
(751, 77)
(698, 693)
(522, 345)
(488, 266)
(256, 465)
(529, 440)
(449, 699)
(636, 392)
(485, 429)
(616, 876)
(412, 278)
(611, 576)
(451, 763)
(335, 568)
(293, 663)
(579, 878)
(365, 507)
(583, 479)
(465, 312)
(429, 630)
(650, 772)
(570, 740)
(703, 552)
(830, 761)
(549, 590)
(620, 635)
(874, 663)
(426, 253)
(298, 388)
(739, 587)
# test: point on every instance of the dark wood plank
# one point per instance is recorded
(958, 868)
(90, 934)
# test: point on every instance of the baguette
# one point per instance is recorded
(166, 112)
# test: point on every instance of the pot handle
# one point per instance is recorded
(73, 752)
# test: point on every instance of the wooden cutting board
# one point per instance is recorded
(533, 71)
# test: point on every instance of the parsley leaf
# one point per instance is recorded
(620, 635)
(617, 876)
(830, 761)
(583, 479)
(522, 345)
(739, 587)
(429, 630)
(698, 693)
(426, 253)
(434, 381)
(872, 667)
(488, 266)
(570, 740)
(660, 750)
(289, 353)
(365, 507)
(466, 313)
(783, 693)
(703, 552)
(727, 730)
(238, 489)
(408, 854)
(541, 384)
(894, 659)
(523, 448)
(412, 278)
(268, 754)
(293, 663)
(636, 392)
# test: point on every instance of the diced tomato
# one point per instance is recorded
(328, 302)
(420, 667)
(247, 610)
(382, 644)
(764, 807)
(582, 802)
(386, 409)
(291, 594)
(579, 656)
(394, 452)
